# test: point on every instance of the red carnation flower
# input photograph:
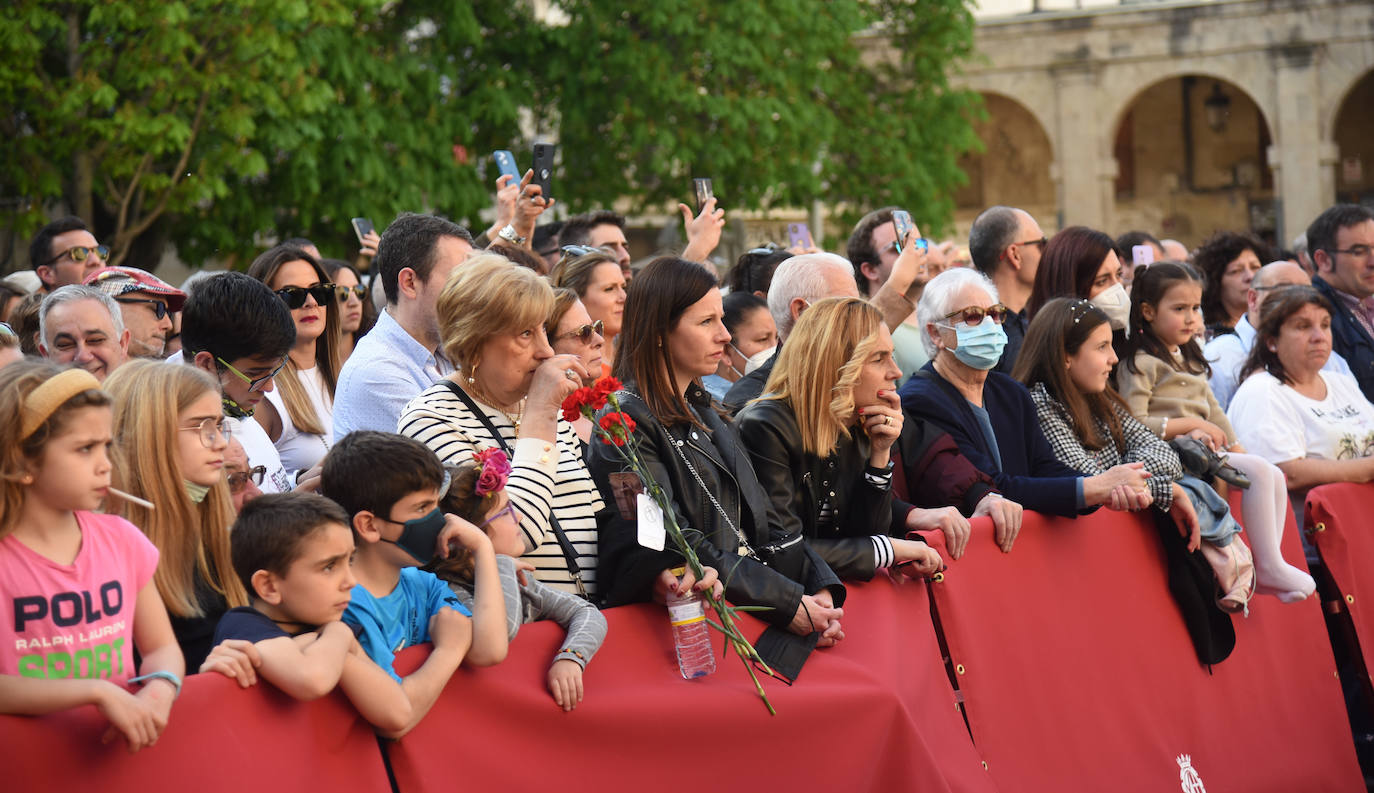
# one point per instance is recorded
(617, 427)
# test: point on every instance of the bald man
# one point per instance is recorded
(1227, 353)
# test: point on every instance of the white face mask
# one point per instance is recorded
(758, 359)
(1116, 304)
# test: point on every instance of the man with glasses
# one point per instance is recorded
(238, 330)
(1341, 243)
(1006, 244)
(1227, 353)
(64, 252)
(146, 304)
(82, 325)
(400, 356)
(244, 482)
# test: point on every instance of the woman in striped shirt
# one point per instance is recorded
(507, 392)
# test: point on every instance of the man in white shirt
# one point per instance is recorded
(1227, 353)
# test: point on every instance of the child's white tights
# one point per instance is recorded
(1263, 508)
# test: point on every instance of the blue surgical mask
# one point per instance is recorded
(980, 346)
(420, 537)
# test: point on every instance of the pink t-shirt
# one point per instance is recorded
(76, 620)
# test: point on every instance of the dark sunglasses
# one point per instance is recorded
(342, 291)
(575, 251)
(582, 333)
(294, 296)
(973, 315)
(159, 307)
(239, 479)
(7, 332)
(1040, 243)
(80, 252)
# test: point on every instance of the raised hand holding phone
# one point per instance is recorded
(704, 228)
(799, 238)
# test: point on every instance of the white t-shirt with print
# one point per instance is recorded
(1277, 423)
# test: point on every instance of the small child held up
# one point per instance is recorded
(390, 487)
(79, 584)
(1163, 379)
(293, 552)
(477, 494)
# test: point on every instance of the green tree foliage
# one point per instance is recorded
(220, 125)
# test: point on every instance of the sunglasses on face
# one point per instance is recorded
(80, 252)
(582, 333)
(159, 307)
(238, 480)
(358, 291)
(1040, 243)
(294, 296)
(973, 315)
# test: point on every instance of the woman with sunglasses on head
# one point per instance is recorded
(990, 415)
(572, 331)
(596, 277)
(357, 314)
(674, 337)
(171, 436)
(753, 339)
(9, 346)
(298, 413)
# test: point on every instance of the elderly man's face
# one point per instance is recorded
(236, 468)
(83, 332)
(147, 334)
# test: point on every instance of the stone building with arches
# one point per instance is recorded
(1175, 117)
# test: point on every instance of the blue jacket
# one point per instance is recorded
(1030, 473)
(1348, 337)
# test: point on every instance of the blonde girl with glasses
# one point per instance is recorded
(171, 437)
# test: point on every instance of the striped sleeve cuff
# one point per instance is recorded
(883, 553)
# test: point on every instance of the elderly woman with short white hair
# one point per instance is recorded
(990, 415)
(507, 394)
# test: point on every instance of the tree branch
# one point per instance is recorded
(156, 212)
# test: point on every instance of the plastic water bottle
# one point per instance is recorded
(691, 634)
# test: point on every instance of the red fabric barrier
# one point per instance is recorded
(219, 738)
(1337, 522)
(876, 712)
(1078, 673)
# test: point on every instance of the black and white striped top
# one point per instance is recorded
(541, 477)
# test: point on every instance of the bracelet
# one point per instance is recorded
(161, 674)
(571, 651)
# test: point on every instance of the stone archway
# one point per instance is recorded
(1012, 169)
(1191, 157)
(1354, 177)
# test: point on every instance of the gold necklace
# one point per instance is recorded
(485, 400)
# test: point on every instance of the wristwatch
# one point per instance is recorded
(508, 234)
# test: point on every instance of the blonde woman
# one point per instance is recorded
(597, 279)
(821, 439)
(171, 439)
(298, 413)
(507, 394)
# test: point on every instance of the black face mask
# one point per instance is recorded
(420, 537)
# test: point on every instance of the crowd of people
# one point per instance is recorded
(294, 472)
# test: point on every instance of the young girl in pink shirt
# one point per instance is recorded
(78, 584)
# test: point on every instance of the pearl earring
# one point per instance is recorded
(472, 375)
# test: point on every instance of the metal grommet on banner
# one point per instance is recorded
(938, 577)
(985, 765)
(1317, 528)
(959, 669)
(1349, 598)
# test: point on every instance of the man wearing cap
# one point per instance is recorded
(146, 304)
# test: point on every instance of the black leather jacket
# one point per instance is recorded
(799, 483)
(626, 570)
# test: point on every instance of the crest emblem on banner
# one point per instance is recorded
(1188, 779)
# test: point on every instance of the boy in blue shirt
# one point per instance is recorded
(390, 487)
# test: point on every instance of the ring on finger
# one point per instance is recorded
(570, 374)
(887, 421)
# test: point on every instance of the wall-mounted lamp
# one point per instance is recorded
(1218, 107)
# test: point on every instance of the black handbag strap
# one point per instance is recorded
(569, 552)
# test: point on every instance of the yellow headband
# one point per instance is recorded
(44, 400)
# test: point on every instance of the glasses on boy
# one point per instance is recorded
(254, 384)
